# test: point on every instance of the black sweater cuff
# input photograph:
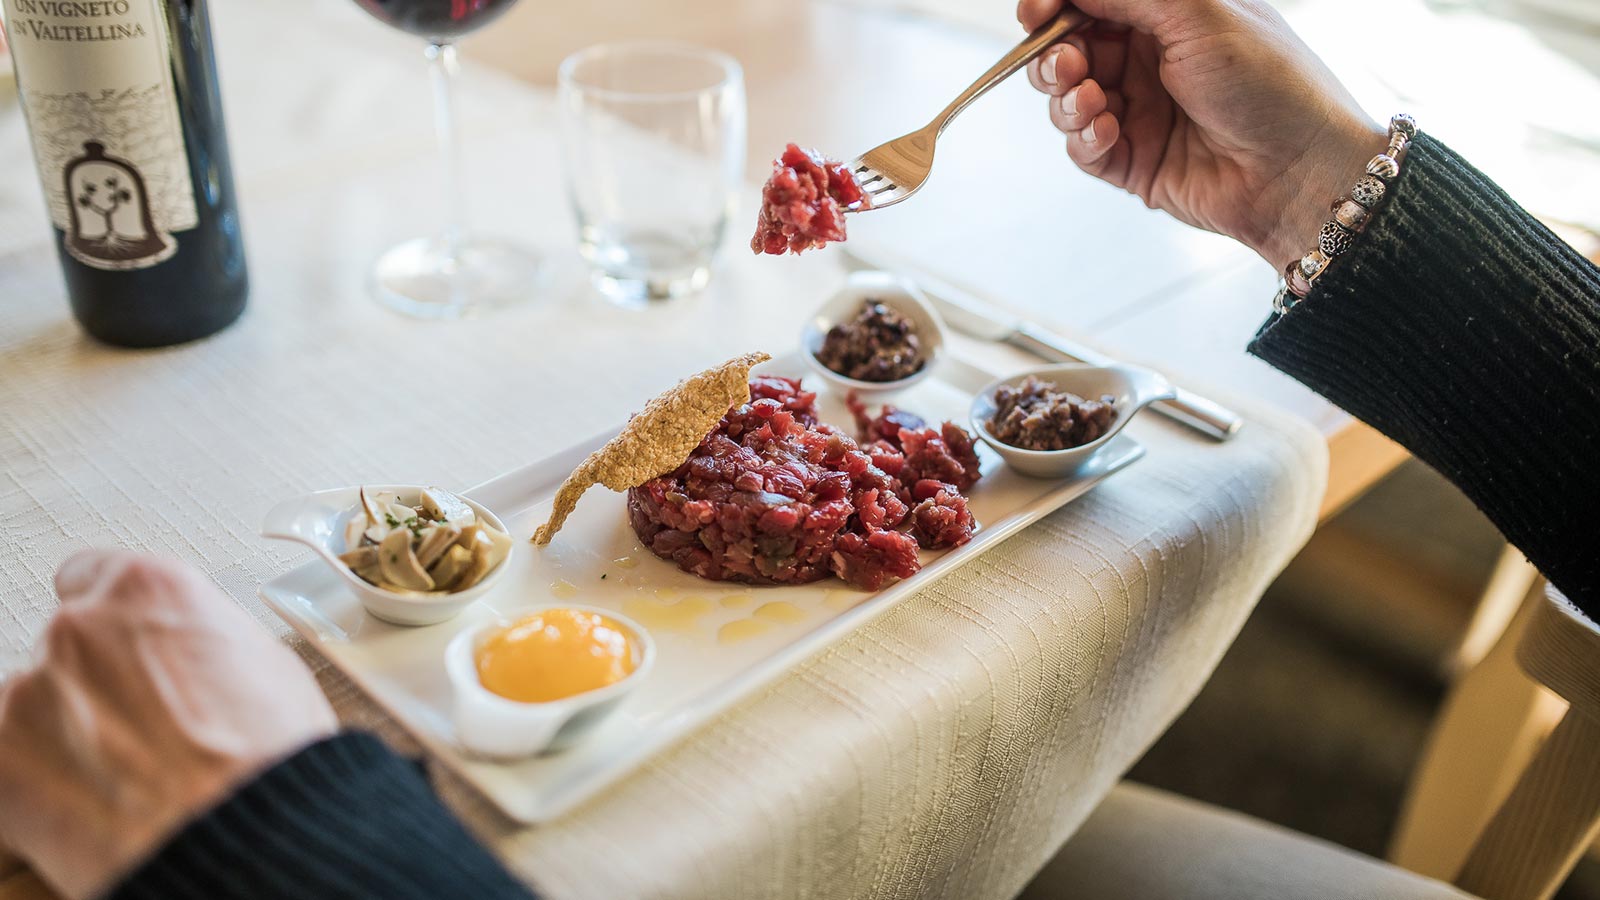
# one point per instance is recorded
(1463, 329)
(345, 817)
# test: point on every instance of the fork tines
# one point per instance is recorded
(873, 183)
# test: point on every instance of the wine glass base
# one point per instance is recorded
(419, 278)
(638, 293)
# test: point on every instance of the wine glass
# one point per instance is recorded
(451, 274)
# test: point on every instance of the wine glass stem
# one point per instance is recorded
(443, 68)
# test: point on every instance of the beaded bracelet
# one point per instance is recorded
(1350, 215)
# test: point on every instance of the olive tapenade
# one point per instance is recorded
(878, 345)
(1035, 415)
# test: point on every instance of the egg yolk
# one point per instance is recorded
(555, 653)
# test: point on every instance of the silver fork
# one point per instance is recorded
(894, 171)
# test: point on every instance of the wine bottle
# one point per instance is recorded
(122, 105)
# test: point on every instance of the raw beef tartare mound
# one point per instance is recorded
(941, 518)
(772, 496)
(946, 455)
(803, 203)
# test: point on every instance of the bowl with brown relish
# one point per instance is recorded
(1049, 420)
(876, 335)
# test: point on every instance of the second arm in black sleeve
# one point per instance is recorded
(343, 818)
(1462, 328)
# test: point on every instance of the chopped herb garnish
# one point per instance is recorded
(393, 522)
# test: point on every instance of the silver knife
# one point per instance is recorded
(977, 318)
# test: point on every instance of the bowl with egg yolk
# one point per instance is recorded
(541, 679)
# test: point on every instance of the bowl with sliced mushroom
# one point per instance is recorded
(414, 555)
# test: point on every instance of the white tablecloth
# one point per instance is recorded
(945, 750)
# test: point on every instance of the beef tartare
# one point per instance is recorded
(946, 455)
(803, 203)
(1037, 415)
(773, 496)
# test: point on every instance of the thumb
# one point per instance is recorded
(81, 572)
(1151, 16)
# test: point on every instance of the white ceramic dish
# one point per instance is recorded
(716, 644)
(491, 726)
(318, 519)
(895, 292)
(1132, 387)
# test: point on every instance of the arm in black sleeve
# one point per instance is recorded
(344, 817)
(1463, 329)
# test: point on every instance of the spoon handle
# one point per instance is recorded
(1069, 20)
(1200, 413)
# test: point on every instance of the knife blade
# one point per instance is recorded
(975, 317)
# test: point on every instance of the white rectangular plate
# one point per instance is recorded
(706, 661)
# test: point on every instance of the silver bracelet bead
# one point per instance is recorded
(1350, 214)
(1384, 166)
(1368, 191)
(1312, 264)
(1282, 300)
(1334, 240)
(1402, 123)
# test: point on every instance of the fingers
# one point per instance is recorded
(1033, 13)
(1101, 54)
(8, 687)
(1086, 113)
(1076, 108)
(1059, 68)
(1092, 146)
(135, 584)
(81, 573)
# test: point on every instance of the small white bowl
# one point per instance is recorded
(318, 521)
(495, 727)
(1131, 387)
(892, 291)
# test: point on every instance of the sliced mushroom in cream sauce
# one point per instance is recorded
(439, 545)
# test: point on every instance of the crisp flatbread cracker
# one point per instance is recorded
(659, 438)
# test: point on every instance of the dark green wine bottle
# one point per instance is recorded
(122, 105)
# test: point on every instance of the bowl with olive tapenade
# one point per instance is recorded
(1049, 420)
(877, 334)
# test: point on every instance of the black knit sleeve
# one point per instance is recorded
(1467, 332)
(342, 818)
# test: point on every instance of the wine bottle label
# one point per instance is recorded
(96, 84)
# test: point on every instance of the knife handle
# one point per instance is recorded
(1197, 412)
(1200, 414)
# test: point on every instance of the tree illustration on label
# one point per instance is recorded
(111, 226)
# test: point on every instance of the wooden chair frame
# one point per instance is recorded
(1553, 812)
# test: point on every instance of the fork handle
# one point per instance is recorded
(1069, 20)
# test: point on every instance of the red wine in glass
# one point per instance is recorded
(453, 274)
(437, 20)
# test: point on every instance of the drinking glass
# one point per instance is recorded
(452, 273)
(654, 135)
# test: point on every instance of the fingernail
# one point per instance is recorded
(1069, 102)
(79, 573)
(1088, 133)
(1047, 69)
